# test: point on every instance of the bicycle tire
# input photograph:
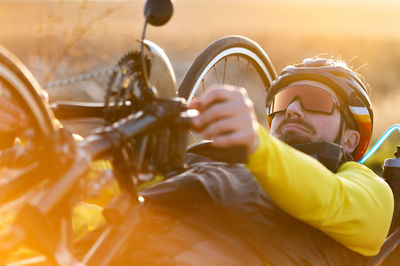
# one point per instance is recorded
(222, 48)
(217, 51)
(26, 89)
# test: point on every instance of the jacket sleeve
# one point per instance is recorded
(353, 206)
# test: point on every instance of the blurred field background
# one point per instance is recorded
(59, 38)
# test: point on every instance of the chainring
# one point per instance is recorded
(126, 88)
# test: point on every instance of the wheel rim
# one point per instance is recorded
(40, 122)
(234, 51)
(25, 90)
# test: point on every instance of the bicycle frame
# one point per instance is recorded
(54, 200)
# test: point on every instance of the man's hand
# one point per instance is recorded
(227, 117)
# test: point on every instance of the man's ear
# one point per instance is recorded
(350, 140)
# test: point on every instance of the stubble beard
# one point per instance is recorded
(293, 138)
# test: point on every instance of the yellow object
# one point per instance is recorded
(85, 218)
(353, 206)
(87, 215)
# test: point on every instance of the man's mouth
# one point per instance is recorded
(294, 127)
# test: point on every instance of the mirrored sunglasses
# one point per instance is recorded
(312, 99)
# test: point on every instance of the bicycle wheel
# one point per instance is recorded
(23, 87)
(233, 60)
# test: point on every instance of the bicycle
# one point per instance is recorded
(142, 133)
(143, 112)
(137, 123)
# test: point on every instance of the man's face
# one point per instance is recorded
(296, 125)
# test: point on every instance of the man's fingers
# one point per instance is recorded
(226, 117)
(195, 104)
(219, 102)
(224, 126)
(235, 131)
(217, 93)
(219, 111)
(237, 138)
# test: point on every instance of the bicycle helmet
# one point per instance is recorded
(355, 104)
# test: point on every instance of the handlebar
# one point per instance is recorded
(70, 110)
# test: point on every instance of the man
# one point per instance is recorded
(317, 100)
(300, 212)
(323, 209)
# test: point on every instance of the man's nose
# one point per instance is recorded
(295, 109)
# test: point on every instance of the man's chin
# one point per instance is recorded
(293, 138)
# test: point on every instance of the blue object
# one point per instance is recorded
(379, 142)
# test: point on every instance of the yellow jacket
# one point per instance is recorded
(353, 206)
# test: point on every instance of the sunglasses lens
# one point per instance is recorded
(312, 99)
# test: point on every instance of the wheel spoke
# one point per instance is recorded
(223, 79)
(238, 71)
(245, 74)
(216, 74)
(194, 137)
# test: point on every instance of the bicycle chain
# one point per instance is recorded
(79, 78)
